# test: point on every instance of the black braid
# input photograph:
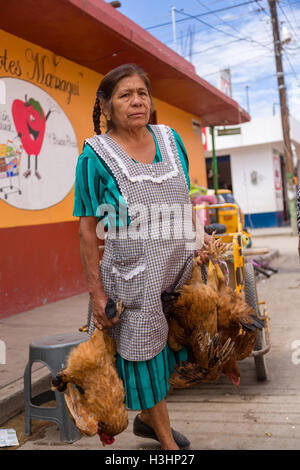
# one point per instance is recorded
(96, 116)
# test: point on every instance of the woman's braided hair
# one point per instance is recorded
(96, 116)
(107, 87)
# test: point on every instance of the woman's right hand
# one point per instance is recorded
(99, 301)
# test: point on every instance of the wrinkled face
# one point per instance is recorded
(130, 104)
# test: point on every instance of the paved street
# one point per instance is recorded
(217, 416)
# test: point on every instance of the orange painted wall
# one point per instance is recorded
(181, 121)
(79, 112)
(39, 256)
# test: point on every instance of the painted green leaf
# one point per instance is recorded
(36, 105)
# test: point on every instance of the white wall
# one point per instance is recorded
(258, 131)
(295, 129)
(252, 151)
(253, 198)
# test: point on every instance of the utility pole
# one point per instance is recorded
(174, 28)
(288, 155)
(214, 162)
(247, 95)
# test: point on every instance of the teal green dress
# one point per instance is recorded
(145, 382)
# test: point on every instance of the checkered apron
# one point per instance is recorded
(137, 269)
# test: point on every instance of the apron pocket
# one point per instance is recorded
(129, 282)
(120, 270)
(128, 252)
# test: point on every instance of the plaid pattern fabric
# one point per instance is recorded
(137, 271)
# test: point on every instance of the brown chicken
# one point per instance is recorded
(216, 309)
(237, 320)
(95, 395)
(212, 354)
(192, 315)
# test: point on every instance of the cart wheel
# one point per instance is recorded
(252, 300)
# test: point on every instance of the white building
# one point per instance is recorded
(251, 163)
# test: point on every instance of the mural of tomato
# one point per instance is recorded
(30, 122)
(35, 144)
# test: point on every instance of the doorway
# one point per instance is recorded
(286, 216)
(224, 172)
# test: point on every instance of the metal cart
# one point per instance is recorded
(10, 159)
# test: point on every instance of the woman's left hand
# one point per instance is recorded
(202, 256)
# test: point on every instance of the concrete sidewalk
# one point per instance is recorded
(271, 231)
(18, 331)
(67, 315)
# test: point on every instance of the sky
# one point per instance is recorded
(238, 36)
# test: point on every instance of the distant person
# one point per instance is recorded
(298, 217)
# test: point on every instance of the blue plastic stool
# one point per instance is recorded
(53, 352)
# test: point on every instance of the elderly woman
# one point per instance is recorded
(134, 165)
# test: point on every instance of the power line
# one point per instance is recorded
(198, 16)
(262, 38)
(217, 46)
(293, 14)
(291, 26)
(262, 9)
(292, 68)
(222, 31)
(293, 50)
(291, 3)
(257, 59)
(256, 80)
(234, 19)
(223, 21)
(284, 50)
(217, 16)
